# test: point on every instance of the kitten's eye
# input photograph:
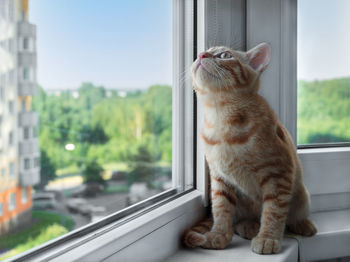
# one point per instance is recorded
(225, 55)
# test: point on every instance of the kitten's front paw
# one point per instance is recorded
(216, 240)
(262, 245)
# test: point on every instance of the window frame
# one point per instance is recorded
(135, 222)
(241, 24)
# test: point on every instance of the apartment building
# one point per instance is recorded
(19, 145)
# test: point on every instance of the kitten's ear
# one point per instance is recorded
(259, 57)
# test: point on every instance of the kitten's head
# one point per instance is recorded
(220, 68)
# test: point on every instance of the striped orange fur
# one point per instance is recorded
(254, 169)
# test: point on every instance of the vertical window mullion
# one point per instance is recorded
(182, 95)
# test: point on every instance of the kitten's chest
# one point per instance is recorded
(230, 161)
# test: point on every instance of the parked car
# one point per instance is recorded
(43, 200)
(76, 204)
(137, 192)
(97, 213)
(118, 175)
(83, 207)
(88, 190)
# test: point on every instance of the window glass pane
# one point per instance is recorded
(10, 138)
(24, 195)
(25, 43)
(12, 170)
(26, 132)
(98, 135)
(323, 71)
(26, 73)
(12, 201)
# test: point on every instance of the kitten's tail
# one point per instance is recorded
(194, 236)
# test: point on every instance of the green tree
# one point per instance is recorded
(47, 170)
(92, 173)
(142, 166)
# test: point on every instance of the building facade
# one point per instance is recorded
(19, 145)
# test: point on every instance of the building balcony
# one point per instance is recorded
(29, 177)
(29, 147)
(26, 119)
(27, 89)
(26, 59)
(26, 29)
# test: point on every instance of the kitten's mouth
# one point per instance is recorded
(200, 65)
(197, 66)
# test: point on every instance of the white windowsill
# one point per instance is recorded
(238, 250)
(331, 241)
(155, 236)
(152, 236)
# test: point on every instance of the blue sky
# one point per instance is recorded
(115, 43)
(323, 39)
(128, 44)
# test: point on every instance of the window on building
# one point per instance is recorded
(11, 47)
(11, 11)
(35, 131)
(25, 132)
(23, 106)
(24, 197)
(37, 162)
(26, 163)
(2, 79)
(2, 172)
(11, 77)
(25, 43)
(12, 170)
(2, 93)
(1, 209)
(11, 138)
(26, 73)
(12, 201)
(11, 107)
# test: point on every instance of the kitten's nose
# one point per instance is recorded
(203, 55)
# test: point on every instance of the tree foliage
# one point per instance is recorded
(92, 172)
(324, 111)
(47, 170)
(141, 166)
(104, 125)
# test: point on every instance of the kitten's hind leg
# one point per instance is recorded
(297, 222)
(247, 228)
(304, 227)
(194, 236)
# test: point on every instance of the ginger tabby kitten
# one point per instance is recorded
(256, 177)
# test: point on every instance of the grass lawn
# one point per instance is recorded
(68, 170)
(116, 189)
(48, 225)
